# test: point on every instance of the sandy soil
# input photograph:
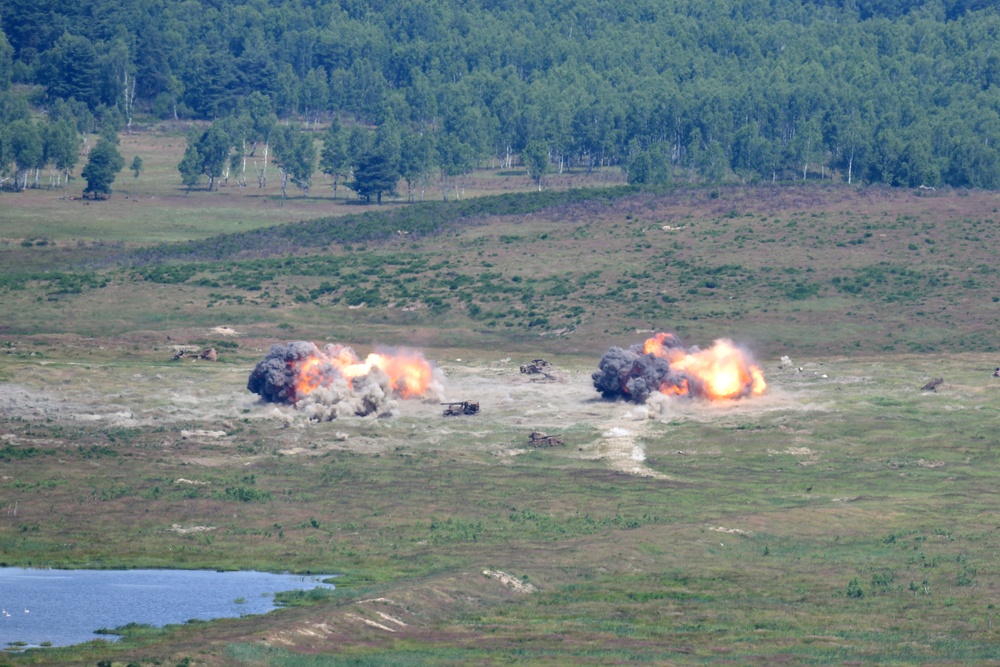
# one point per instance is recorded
(208, 403)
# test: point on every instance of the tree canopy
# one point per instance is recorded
(102, 168)
(905, 92)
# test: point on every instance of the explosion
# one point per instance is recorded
(335, 382)
(663, 364)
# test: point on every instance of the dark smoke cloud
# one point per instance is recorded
(273, 379)
(325, 393)
(631, 374)
(635, 374)
(722, 371)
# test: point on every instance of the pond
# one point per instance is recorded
(63, 607)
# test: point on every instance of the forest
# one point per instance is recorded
(860, 91)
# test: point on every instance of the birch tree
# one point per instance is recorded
(26, 151)
(62, 149)
(334, 159)
(535, 157)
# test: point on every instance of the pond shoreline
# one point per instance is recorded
(64, 607)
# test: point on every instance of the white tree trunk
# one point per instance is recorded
(128, 105)
(262, 169)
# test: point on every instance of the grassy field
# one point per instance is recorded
(846, 516)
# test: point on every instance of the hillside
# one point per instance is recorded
(790, 269)
(844, 515)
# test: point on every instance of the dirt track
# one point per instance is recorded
(206, 403)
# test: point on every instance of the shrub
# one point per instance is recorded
(245, 494)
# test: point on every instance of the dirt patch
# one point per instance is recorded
(201, 433)
(177, 528)
(621, 447)
(211, 405)
(731, 531)
(413, 611)
(17, 400)
(509, 581)
(808, 456)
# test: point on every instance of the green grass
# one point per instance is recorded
(846, 516)
(862, 505)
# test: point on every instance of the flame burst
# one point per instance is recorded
(663, 364)
(409, 373)
(291, 372)
(723, 371)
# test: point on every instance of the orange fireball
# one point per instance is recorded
(410, 374)
(723, 371)
(309, 375)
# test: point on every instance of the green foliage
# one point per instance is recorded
(765, 91)
(12, 453)
(56, 283)
(95, 452)
(6, 62)
(22, 144)
(650, 166)
(334, 159)
(416, 158)
(206, 154)
(244, 494)
(295, 153)
(801, 290)
(882, 581)
(375, 174)
(102, 167)
(890, 283)
(62, 143)
(301, 598)
(131, 630)
(536, 159)
(69, 67)
(190, 165)
(169, 274)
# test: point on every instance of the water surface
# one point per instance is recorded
(65, 607)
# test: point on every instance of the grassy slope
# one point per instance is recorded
(845, 472)
(797, 270)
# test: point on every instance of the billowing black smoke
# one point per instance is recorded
(631, 374)
(662, 364)
(332, 382)
(273, 379)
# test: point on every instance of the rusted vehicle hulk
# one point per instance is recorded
(460, 408)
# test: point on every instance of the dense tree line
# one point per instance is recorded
(903, 92)
(35, 153)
